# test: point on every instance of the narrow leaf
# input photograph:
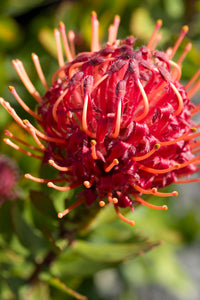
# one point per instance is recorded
(43, 203)
(55, 282)
(111, 253)
(25, 233)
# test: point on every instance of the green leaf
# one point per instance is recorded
(175, 9)
(19, 7)
(51, 241)
(41, 221)
(26, 235)
(9, 32)
(72, 264)
(46, 38)
(111, 253)
(142, 25)
(55, 282)
(5, 223)
(15, 283)
(36, 292)
(43, 203)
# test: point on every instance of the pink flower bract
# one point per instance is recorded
(116, 120)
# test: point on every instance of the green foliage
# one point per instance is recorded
(42, 257)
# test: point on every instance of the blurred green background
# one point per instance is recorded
(100, 265)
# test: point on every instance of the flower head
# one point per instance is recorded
(9, 175)
(116, 120)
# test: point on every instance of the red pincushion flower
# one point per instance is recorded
(115, 120)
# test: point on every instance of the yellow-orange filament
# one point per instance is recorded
(159, 171)
(16, 147)
(118, 120)
(43, 136)
(179, 40)
(62, 169)
(102, 203)
(88, 183)
(197, 108)
(153, 97)
(18, 65)
(42, 147)
(84, 117)
(177, 166)
(65, 42)
(60, 98)
(132, 223)
(114, 200)
(183, 137)
(154, 191)
(156, 41)
(73, 68)
(21, 102)
(195, 160)
(59, 48)
(54, 77)
(176, 72)
(192, 80)
(12, 112)
(71, 37)
(160, 194)
(95, 33)
(195, 144)
(112, 165)
(153, 36)
(146, 103)
(39, 71)
(194, 151)
(111, 199)
(66, 211)
(42, 180)
(145, 203)
(188, 180)
(99, 81)
(180, 99)
(113, 29)
(139, 158)
(93, 149)
(192, 136)
(62, 188)
(187, 48)
(11, 135)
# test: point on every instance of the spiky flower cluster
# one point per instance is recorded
(116, 120)
(9, 175)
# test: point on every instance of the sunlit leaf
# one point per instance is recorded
(142, 25)
(111, 253)
(9, 32)
(36, 292)
(72, 264)
(55, 282)
(46, 38)
(175, 9)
